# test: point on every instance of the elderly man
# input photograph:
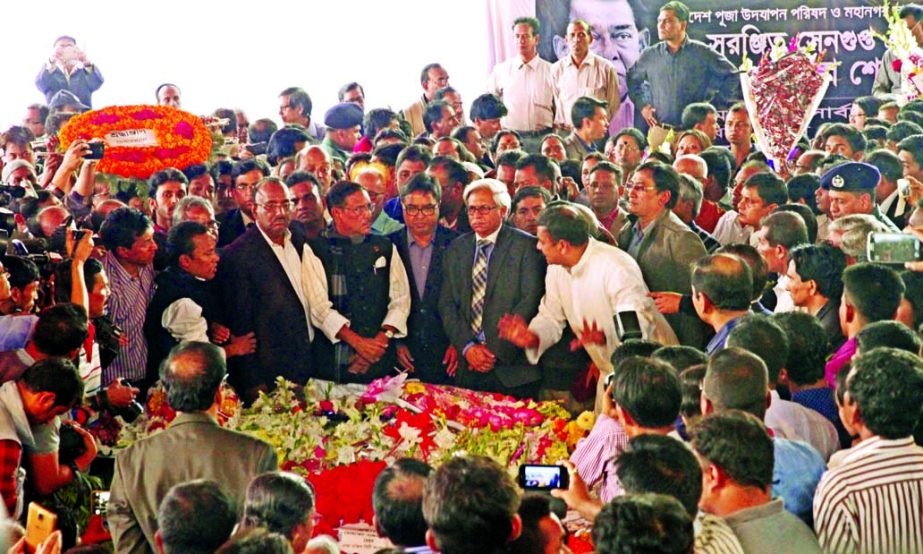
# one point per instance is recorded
(583, 71)
(263, 291)
(168, 94)
(491, 272)
(432, 78)
(193, 447)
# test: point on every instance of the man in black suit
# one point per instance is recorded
(488, 273)
(262, 288)
(235, 222)
(368, 292)
(426, 350)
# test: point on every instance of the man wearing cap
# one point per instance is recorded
(69, 69)
(851, 190)
(342, 122)
(65, 101)
(678, 71)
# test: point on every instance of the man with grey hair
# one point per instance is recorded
(494, 271)
(689, 205)
(850, 234)
(195, 518)
(779, 233)
(193, 447)
(198, 209)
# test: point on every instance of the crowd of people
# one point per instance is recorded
(753, 365)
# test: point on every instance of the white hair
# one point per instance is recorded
(497, 189)
(187, 202)
(323, 543)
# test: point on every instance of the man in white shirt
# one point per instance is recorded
(524, 84)
(583, 73)
(779, 233)
(729, 229)
(588, 283)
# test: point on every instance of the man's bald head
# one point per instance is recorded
(693, 166)
(192, 375)
(725, 279)
(51, 218)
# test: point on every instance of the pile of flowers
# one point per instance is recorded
(782, 94)
(341, 436)
(141, 140)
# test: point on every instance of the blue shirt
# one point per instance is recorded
(420, 259)
(797, 469)
(721, 337)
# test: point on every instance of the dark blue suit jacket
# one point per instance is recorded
(426, 338)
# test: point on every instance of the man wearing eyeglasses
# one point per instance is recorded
(661, 243)
(263, 291)
(426, 351)
(489, 273)
(367, 288)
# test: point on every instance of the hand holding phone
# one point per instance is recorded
(40, 524)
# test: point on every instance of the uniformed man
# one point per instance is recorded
(851, 190)
(342, 122)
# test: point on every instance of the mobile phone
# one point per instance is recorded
(99, 502)
(537, 477)
(894, 248)
(627, 326)
(40, 523)
(97, 149)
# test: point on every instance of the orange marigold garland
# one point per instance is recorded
(141, 140)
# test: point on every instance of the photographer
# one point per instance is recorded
(83, 281)
(75, 190)
(29, 407)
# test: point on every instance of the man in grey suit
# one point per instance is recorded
(493, 271)
(661, 243)
(193, 447)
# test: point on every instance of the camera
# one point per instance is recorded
(71, 446)
(97, 149)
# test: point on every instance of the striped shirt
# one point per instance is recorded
(714, 536)
(593, 456)
(127, 308)
(874, 501)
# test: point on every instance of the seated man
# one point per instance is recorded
(283, 503)
(632, 523)
(470, 504)
(398, 503)
(884, 393)
(737, 380)
(195, 518)
(193, 447)
(736, 453)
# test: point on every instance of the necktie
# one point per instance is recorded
(479, 286)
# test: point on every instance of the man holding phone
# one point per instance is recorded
(69, 69)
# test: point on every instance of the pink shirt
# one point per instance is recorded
(839, 359)
(594, 456)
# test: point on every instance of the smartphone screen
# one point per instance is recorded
(893, 248)
(543, 477)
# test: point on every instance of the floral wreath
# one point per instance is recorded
(141, 140)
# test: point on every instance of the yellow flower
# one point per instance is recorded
(586, 420)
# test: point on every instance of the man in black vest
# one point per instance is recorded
(368, 288)
(186, 303)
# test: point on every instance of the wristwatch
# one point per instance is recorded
(388, 333)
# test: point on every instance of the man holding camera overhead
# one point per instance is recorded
(69, 69)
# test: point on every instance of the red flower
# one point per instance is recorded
(896, 65)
